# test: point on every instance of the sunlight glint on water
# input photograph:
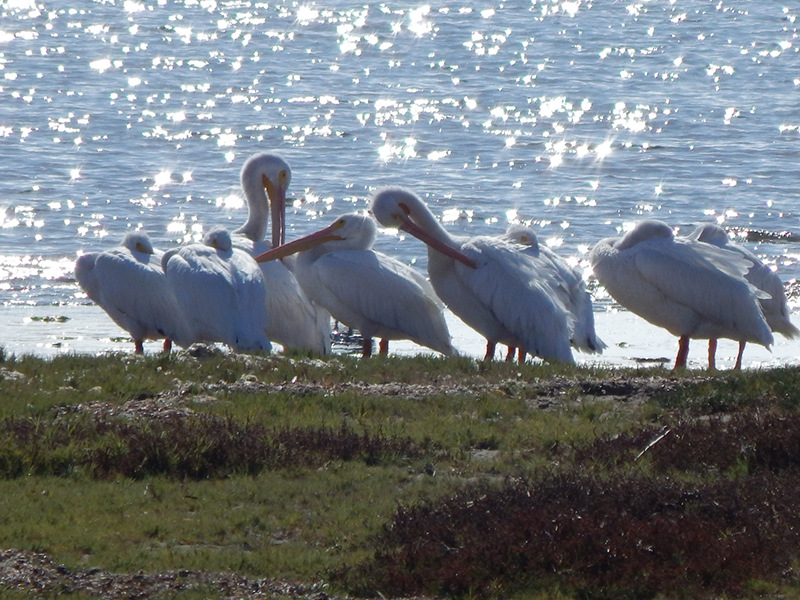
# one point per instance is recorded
(576, 117)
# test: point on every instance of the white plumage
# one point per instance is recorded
(568, 283)
(127, 282)
(293, 320)
(775, 308)
(220, 292)
(485, 281)
(692, 289)
(366, 290)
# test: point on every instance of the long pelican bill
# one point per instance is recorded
(304, 243)
(410, 227)
(277, 203)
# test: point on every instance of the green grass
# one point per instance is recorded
(279, 524)
(345, 470)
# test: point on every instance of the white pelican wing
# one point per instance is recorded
(133, 291)
(293, 320)
(208, 294)
(400, 302)
(688, 278)
(519, 296)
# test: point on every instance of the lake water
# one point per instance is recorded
(578, 117)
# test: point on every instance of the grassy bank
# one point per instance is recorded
(405, 476)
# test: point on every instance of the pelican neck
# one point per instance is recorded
(255, 228)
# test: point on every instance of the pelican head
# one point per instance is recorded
(138, 241)
(402, 209)
(355, 231)
(349, 232)
(710, 233)
(393, 206)
(522, 234)
(645, 230)
(218, 238)
(271, 173)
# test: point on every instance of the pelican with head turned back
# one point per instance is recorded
(294, 321)
(692, 289)
(775, 308)
(220, 292)
(128, 284)
(364, 289)
(485, 281)
(567, 282)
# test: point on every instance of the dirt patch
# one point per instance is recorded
(36, 573)
(546, 392)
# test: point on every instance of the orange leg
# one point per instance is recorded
(683, 353)
(712, 355)
(511, 352)
(521, 358)
(366, 348)
(167, 345)
(490, 346)
(139, 346)
(738, 365)
(383, 347)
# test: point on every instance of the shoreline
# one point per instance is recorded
(48, 331)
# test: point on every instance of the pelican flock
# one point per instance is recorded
(366, 290)
(249, 288)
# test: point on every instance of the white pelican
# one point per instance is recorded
(364, 289)
(569, 285)
(127, 282)
(220, 292)
(692, 289)
(775, 308)
(293, 320)
(485, 281)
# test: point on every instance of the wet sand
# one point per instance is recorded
(47, 331)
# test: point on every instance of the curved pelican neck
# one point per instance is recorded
(423, 216)
(424, 226)
(258, 205)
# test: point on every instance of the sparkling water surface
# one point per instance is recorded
(578, 117)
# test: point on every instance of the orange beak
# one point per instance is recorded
(304, 243)
(410, 227)
(277, 203)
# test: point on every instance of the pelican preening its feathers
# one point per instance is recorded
(485, 281)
